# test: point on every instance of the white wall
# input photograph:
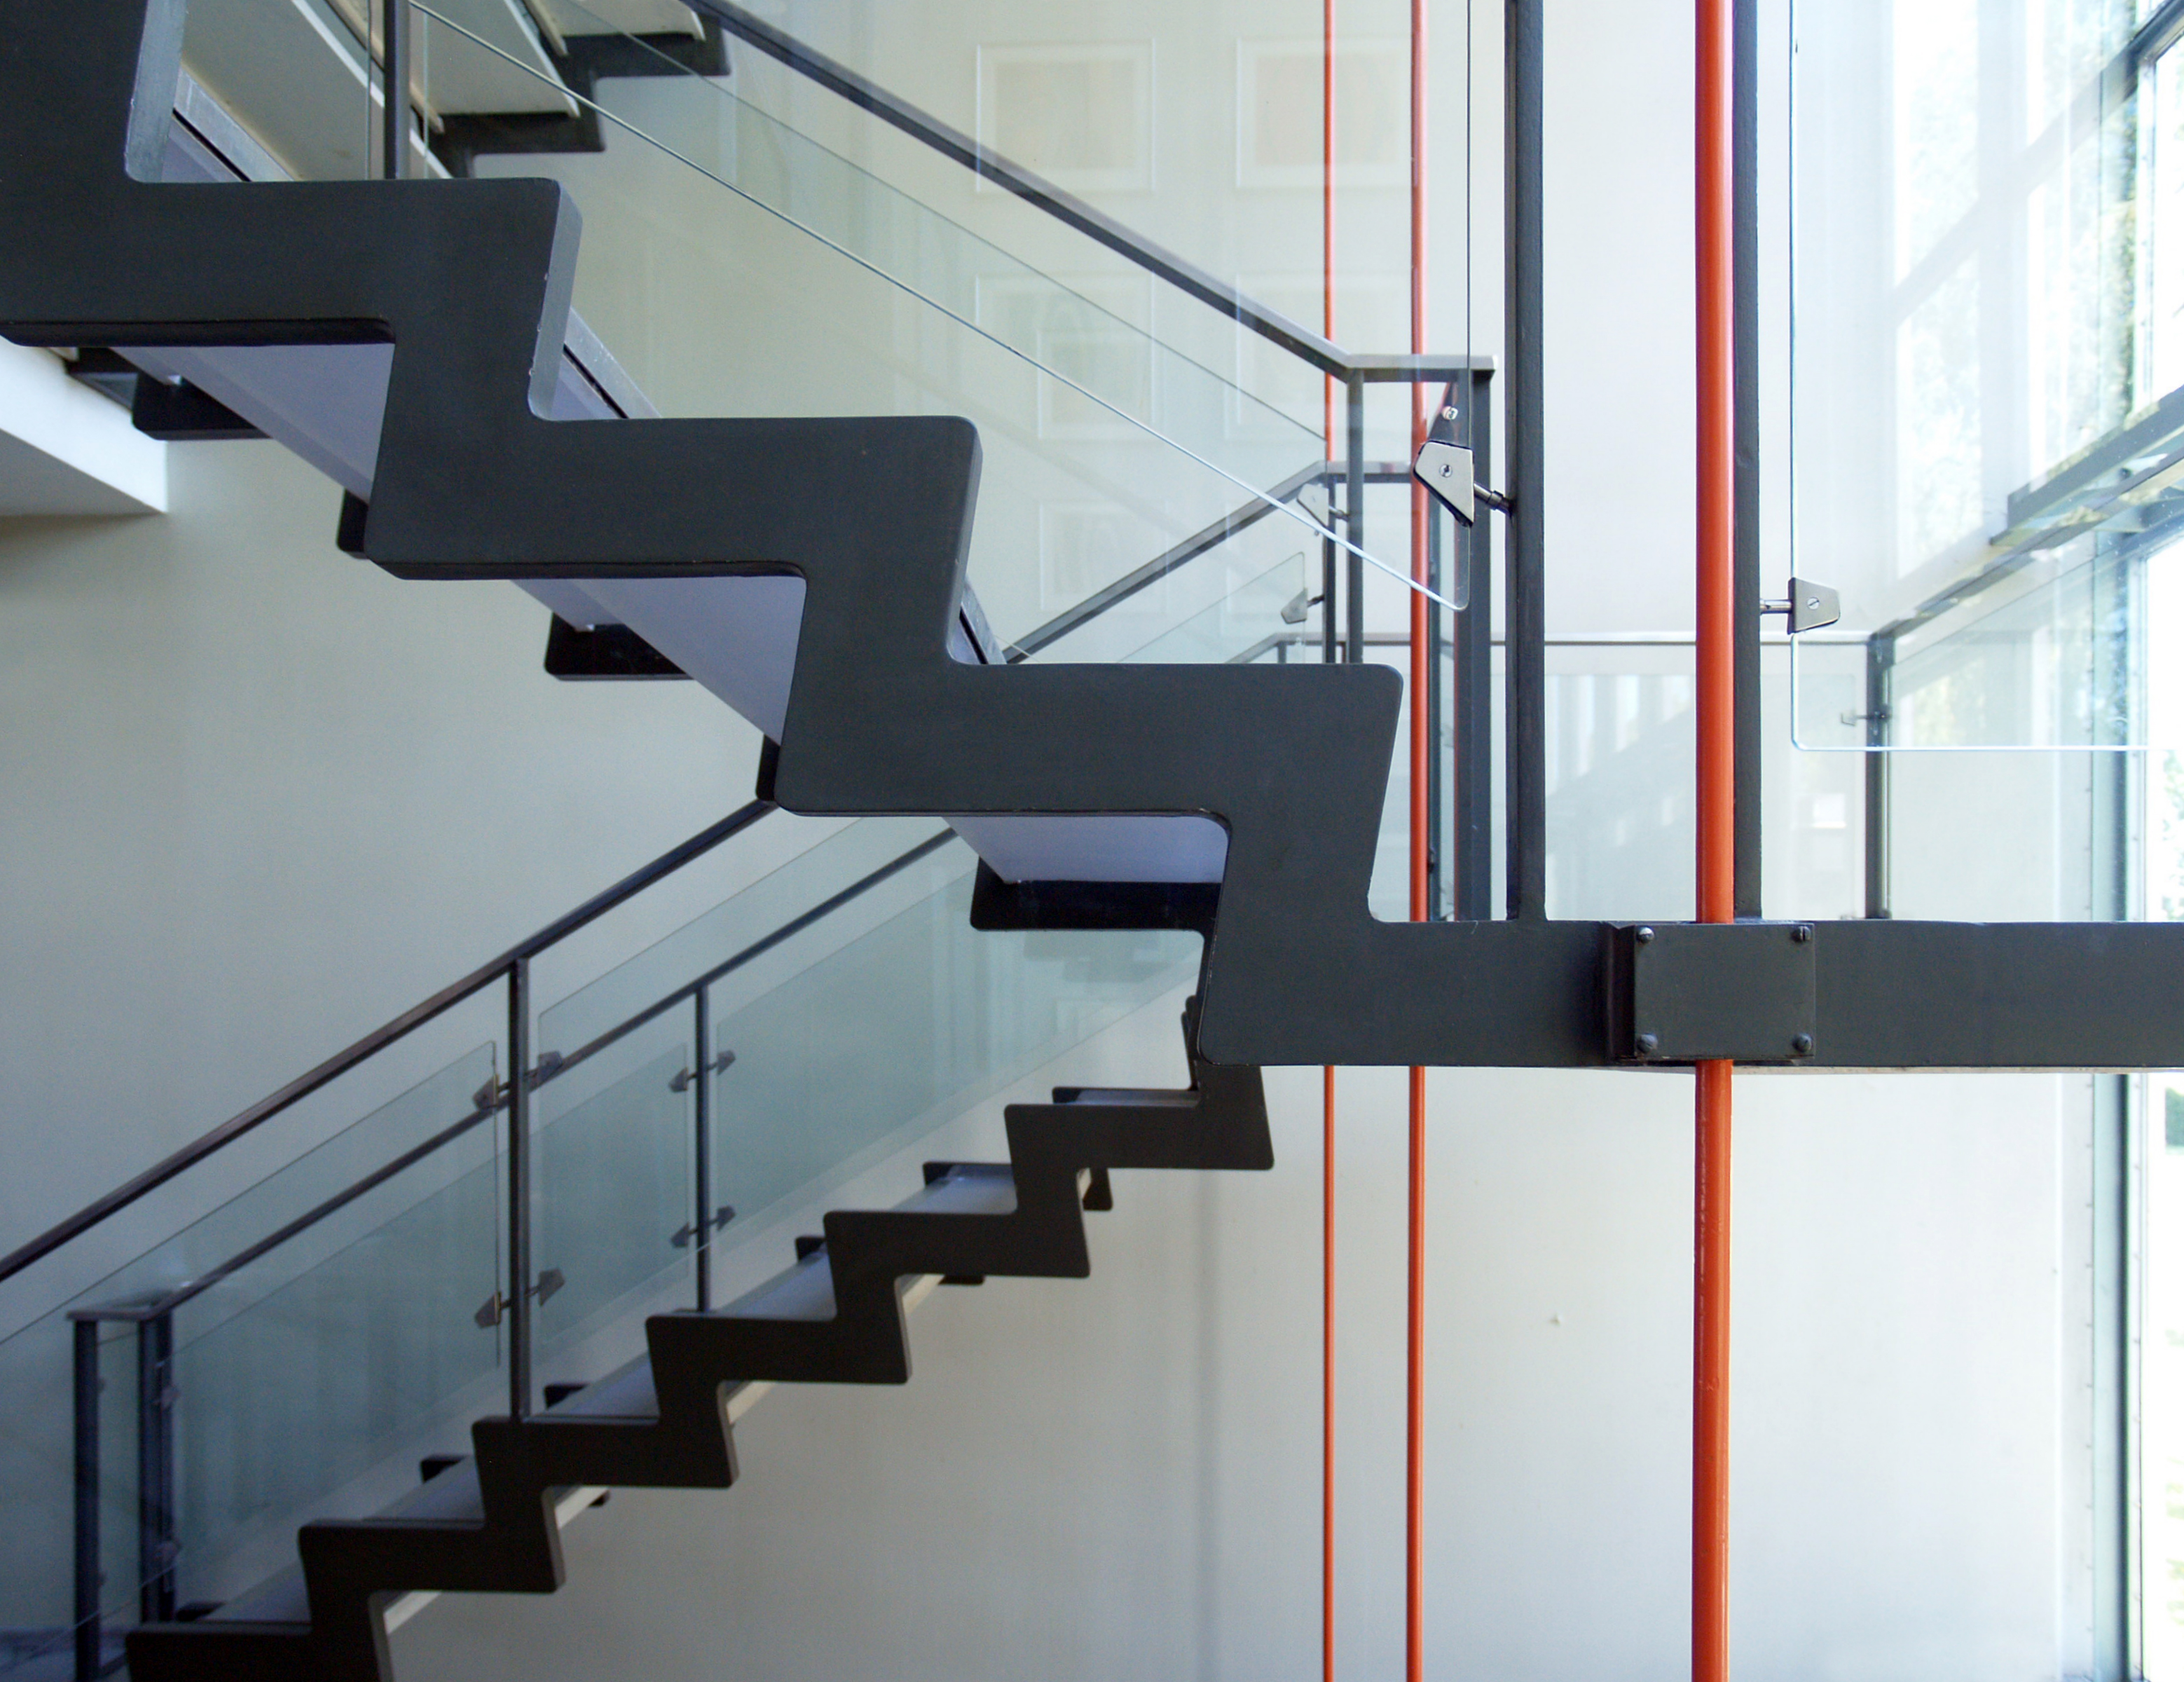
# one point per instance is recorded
(261, 797)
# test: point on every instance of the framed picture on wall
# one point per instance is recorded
(1278, 86)
(1371, 310)
(1085, 546)
(1082, 116)
(1090, 329)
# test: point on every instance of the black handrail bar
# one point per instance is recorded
(191, 1289)
(1162, 565)
(984, 161)
(379, 1039)
(758, 948)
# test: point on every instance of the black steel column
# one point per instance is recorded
(88, 1577)
(1354, 527)
(1751, 739)
(1330, 635)
(394, 88)
(702, 1226)
(1880, 661)
(1472, 872)
(519, 1188)
(2119, 619)
(155, 1468)
(1436, 832)
(1526, 615)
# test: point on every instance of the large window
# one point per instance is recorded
(1988, 395)
(2160, 1306)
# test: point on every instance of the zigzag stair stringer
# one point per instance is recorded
(500, 1534)
(470, 280)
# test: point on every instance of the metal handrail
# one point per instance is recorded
(379, 1039)
(497, 1100)
(1213, 537)
(218, 1139)
(758, 948)
(982, 161)
(989, 164)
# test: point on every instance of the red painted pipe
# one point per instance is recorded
(1717, 832)
(1327, 1382)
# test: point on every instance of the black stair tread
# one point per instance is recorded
(1136, 1098)
(626, 1393)
(278, 1600)
(452, 1496)
(968, 1189)
(806, 1291)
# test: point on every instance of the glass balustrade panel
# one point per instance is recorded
(260, 1367)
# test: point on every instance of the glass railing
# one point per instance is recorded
(736, 267)
(293, 1353)
(181, 1417)
(834, 1038)
(2044, 657)
(290, 1355)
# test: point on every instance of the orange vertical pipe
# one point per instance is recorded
(1717, 833)
(1327, 1382)
(1327, 1094)
(1414, 1645)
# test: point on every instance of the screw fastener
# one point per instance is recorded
(1648, 1044)
(1802, 933)
(1802, 1045)
(1645, 935)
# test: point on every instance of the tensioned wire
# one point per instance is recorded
(1288, 509)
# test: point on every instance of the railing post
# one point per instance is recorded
(1525, 613)
(702, 1219)
(155, 1468)
(1329, 631)
(394, 88)
(88, 1640)
(519, 1188)
(1472, 866)
(1437, 874)
(1880, 665)
(1354, 527)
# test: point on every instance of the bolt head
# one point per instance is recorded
(1802, 933)
(1448, 413)
(1648, 1044)
(1645, 935)
(1802, 1045)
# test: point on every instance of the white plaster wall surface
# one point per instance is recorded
(262, 796)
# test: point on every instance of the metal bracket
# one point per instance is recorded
(721, 1216)
(550, 1280)
(681, 1081)
(1447, 471)
(1810, 606)
(1687, 993)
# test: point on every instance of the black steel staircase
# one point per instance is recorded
(848, 538)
